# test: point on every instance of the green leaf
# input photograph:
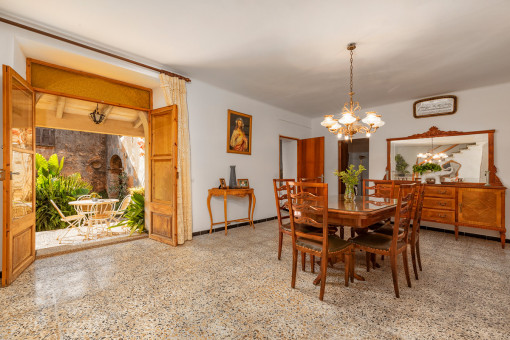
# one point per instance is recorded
(40, 162)
(53, 165)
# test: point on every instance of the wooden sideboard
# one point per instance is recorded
(467, 205)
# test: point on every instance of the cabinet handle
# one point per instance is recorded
(442, 191)
(460, 206)
(443, 204)
(442, 216)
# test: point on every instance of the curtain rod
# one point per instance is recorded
(72, 42)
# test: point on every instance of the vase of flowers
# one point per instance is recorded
(350, 178)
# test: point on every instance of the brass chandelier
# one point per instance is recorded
(349, 123)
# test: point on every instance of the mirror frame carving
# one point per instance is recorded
(435, 132)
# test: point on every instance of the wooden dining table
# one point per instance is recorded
(359, 214)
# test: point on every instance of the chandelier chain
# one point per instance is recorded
(351, 69)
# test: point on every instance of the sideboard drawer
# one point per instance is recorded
(437, 191)
(436, 215)
(439, 203)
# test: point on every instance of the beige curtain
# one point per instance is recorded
(175, 93)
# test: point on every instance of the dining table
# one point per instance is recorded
(360, 213)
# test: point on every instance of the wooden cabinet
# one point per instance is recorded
(466, 205)
(481, 207)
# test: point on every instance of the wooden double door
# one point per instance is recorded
(19, 176)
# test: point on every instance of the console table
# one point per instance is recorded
(236, 193)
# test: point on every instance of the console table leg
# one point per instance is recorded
(210, 212)
(250, 217)
(253, 210)
(225, 210)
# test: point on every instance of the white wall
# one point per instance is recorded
(483, 108)
(208, 106)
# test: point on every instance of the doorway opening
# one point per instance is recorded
(91, 164)
(288, 157)
(355, 152)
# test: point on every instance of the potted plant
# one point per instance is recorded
(401, 165)
(350, 178)
(426, 167)
(95, 196)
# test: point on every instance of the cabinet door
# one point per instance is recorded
(480, 206)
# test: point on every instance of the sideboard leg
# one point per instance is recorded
(456, 232)
(503, 238)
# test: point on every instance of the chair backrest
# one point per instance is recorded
(125, 203)
(56, 207)
(281, 198)
(83, 197)
(310, 209)
(420, 194)
(378, 188)
(404, 212)
(311, 180)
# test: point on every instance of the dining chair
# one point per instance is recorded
(84, 197)
(378, 188)
(282, 213)
(391, 246)
(414, 240)
(73, 221)
(312, 210)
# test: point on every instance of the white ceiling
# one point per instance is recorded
(291, 53)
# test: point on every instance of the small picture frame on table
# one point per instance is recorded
(243, 183)
(223, 184)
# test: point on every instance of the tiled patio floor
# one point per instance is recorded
(46, 243)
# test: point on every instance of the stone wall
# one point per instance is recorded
(99, 158)
(84, 152)
(128, 153)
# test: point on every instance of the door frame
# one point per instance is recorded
(280, 137)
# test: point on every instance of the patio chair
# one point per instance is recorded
(83, 197)
(73, 221)
(100, 218)
(121, 210)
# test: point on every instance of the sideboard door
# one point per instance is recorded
(480, 206)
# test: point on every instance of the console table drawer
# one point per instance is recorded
(439, 203)
(437, 191)
(436, 215)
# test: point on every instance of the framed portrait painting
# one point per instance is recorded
(239, 133)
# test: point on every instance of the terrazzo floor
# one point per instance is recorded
(233, 286)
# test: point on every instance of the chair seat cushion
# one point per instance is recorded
(378, 225)
(335, 244)
(375, 241)
(387, 229)
(299, 227)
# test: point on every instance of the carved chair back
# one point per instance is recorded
(281, 199)
(404, 213)
(378, 188)
(309, 209)
(420, 193)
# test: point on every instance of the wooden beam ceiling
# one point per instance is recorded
(61, 104)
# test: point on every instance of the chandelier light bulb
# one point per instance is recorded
(328, 121)
(346, 137)
(369, 134)
(339, 136)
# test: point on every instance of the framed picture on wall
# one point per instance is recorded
(435, 106)
(239, 133)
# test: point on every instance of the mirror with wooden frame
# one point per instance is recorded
(464, 157)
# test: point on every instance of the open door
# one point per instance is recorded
(19, 171)
(162, 203)
(310, 158)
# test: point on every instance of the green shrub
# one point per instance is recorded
(51, 185)
(134, 218)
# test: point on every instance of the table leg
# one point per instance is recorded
(210, 212)
(225, 210)
(353, 274)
